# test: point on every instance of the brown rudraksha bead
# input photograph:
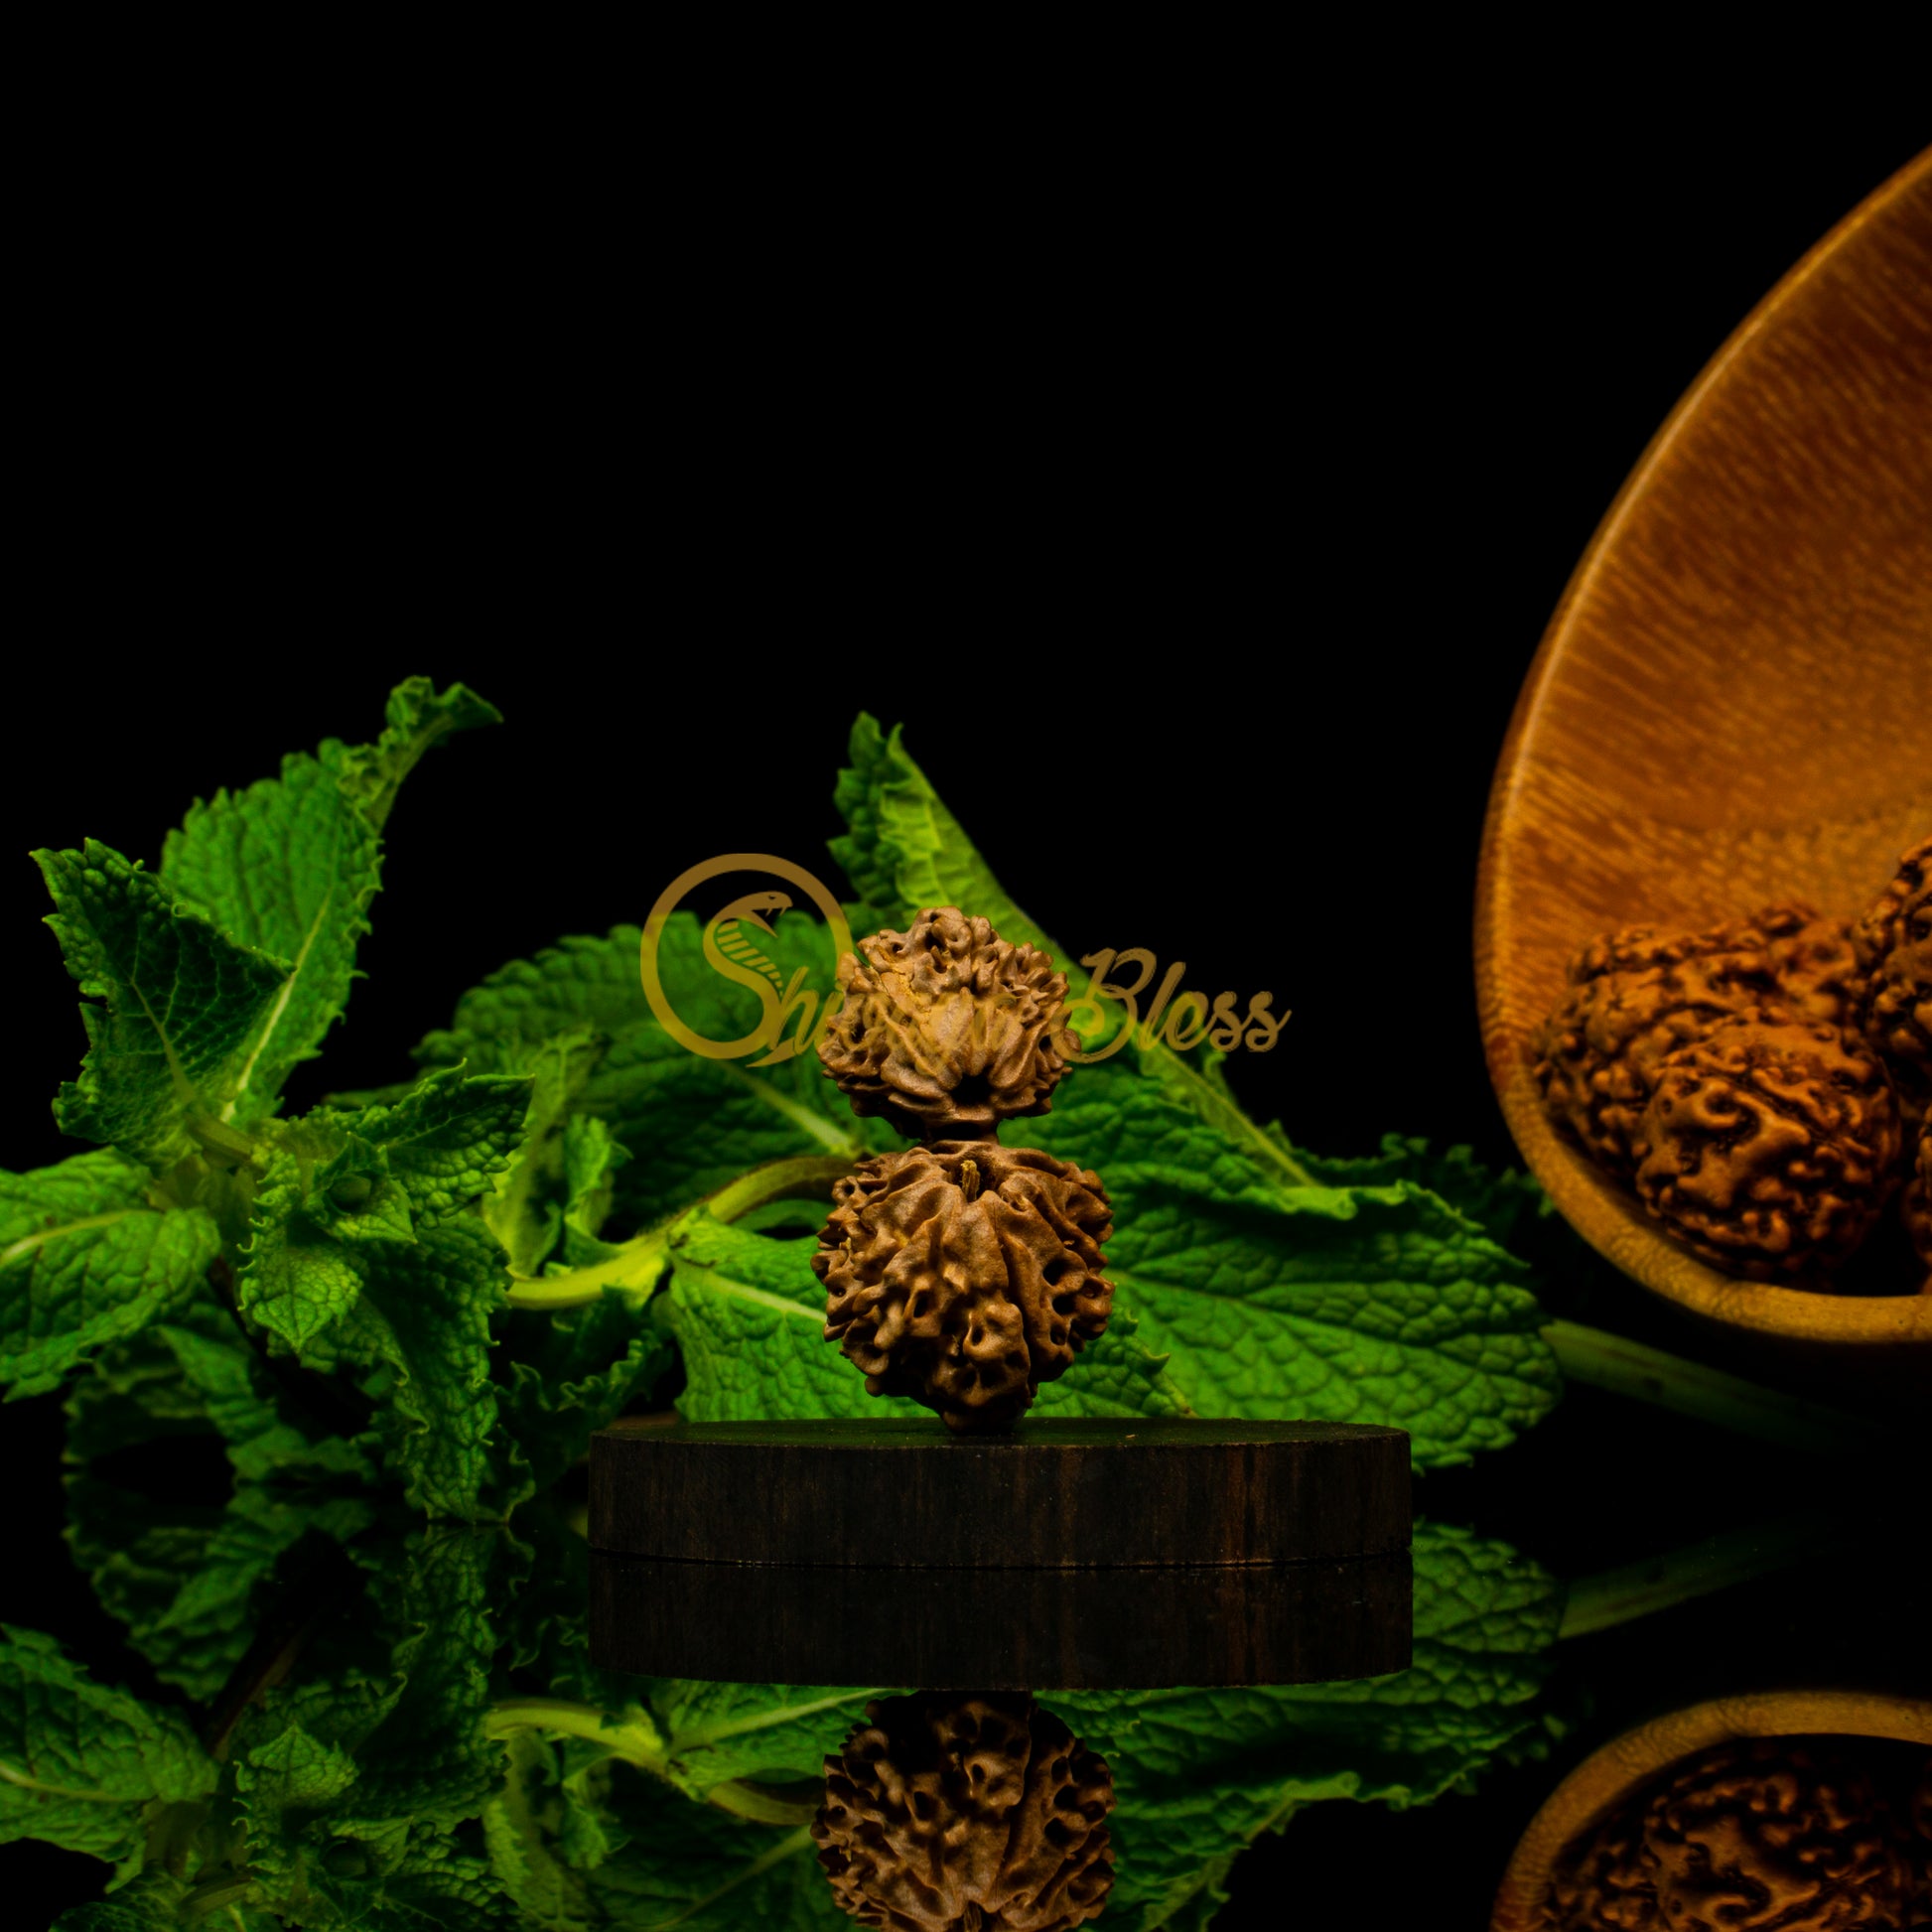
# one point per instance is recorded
(1770, 1146)
(946, 1029)
(964, 1274)
(943, 1813)
(1918, 1200)
(1893, 942)
(961, 1273)
(1815, 962)
(1635, 998)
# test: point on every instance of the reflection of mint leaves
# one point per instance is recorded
(187, 1579)
(84, 1259)
(196, 1374)
(80, 1765)
(604, 1847)
(1200, 1774)
(359, 1792)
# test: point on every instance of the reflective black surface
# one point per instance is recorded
(450, 1722)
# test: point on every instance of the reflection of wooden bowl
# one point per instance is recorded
(1733, 704)
(1603, 1781)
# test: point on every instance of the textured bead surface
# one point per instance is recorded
(945, 1812)
(946, 1028)
(965, 1273)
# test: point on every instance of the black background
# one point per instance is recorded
(1200, 532)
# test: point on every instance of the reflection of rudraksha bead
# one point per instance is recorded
(1606, 1883)
(965, 1273)
(979, 1813)
(1778, 1820)
(946, 1029)
(1634, 997)
(1772, 1831)
(1769, 1146)
(1894, 949)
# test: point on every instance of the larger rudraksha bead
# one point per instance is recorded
(965, 1273)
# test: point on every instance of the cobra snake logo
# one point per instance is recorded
(731, 948)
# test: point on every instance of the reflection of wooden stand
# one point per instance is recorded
(1003, 1629)
(1071, 1553)
(1052, 1494)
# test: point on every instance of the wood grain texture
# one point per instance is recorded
(1053, 1494)
(1006, 1629)
(1606, 1778)
(1733, 704)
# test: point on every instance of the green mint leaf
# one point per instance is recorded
(83, 1260)
(339, 1183)
(173, 1006)
(591, 1156)
(1374, 1305)
(905, 851)
(417, 718)
(81, 1764)
(298, 1277)
(575, 1372)
(748, 1316)
(525, 1210)
(421, 1331)
(1500, 1201)
(290, 864)
(448, 1139)
(287, 867)
(690, 1124)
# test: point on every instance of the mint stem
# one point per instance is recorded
(1614, 1596)
(638, 1265)
(1624, 1367)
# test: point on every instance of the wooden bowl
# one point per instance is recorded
(1733, 704)
(1603, 1781)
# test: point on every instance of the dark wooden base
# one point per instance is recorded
(1052, 1494)
(1001, 1629)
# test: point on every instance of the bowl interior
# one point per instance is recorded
(1733, 703)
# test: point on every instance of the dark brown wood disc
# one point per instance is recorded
(1003, 1629)
(1052, 1494)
